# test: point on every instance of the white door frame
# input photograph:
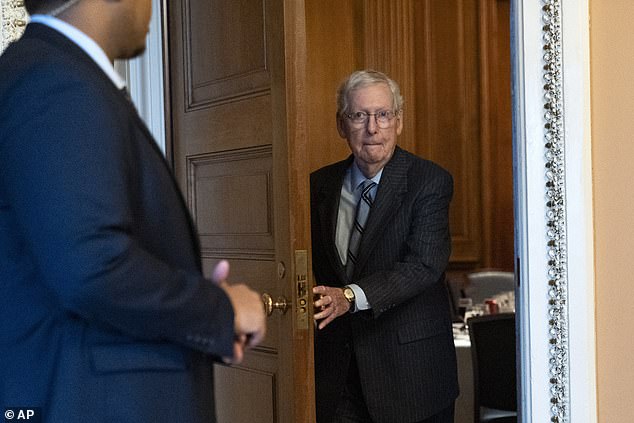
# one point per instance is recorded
(144, 78)
(547, 370)
(554, 382)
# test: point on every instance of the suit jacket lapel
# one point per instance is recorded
(328, 210)
(54, 38)
(389, 196)
(150, 139)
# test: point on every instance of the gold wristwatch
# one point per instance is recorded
(348, 293)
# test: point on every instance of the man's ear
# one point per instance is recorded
(399, 122)
(341, 127)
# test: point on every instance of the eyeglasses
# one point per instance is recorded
(383, 118)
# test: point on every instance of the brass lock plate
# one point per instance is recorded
(301, 288)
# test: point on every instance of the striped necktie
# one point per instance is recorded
(363, 210)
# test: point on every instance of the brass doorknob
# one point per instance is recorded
(281, 304)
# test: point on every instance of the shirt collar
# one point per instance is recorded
(357, 177)
(86, 43)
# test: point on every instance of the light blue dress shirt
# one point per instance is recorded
(350, 196)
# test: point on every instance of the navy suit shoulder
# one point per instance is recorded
(97, 251)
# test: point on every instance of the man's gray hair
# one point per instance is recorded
(364, 78)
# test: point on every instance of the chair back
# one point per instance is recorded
(487, 284)
(493, 355)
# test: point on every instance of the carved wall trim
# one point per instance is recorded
(556, 210)
(13, 19)
(553, 204)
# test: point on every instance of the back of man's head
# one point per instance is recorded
(119, 27)
(42, 6)
(48, 7)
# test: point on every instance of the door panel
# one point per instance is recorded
(243, 221)
(226, 53)
(244, 394)
(236, 134)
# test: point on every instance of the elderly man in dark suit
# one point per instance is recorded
(384, 351)
(105, 314)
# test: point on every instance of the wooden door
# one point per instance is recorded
(238, 150)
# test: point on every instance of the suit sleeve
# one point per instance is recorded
(425, 249)
(66, 171)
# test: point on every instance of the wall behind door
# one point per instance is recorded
(452, 60)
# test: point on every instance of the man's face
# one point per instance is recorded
(371, 146)
(136, 25)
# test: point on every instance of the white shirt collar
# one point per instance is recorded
(86, 43)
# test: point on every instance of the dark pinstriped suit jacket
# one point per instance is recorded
(403, 346)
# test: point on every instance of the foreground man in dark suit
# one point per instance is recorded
(106, 316)
(384, 351)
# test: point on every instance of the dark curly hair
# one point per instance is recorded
(42, 6)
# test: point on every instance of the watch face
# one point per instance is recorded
(349, 294)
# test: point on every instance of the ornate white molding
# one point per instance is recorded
(13, 18)
(553, 204)
(556, 211)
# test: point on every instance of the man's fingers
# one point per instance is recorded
(322, 314)
(323, 301)
(326, 321)
(239, 344)
(238, 352)
(326, 312)
(320, 289)
(221, 272)
(255, 338)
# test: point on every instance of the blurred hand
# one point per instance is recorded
(248, 310)
(331, 304)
